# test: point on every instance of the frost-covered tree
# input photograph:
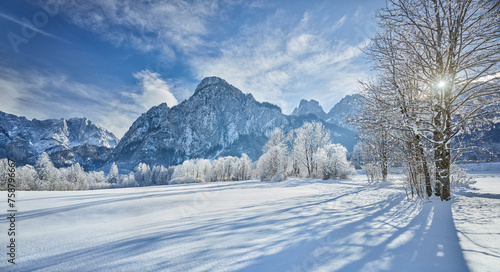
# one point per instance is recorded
(77, 178)
(332, 163)
(27, 178)
(188, 172)
(307, 141)
(294, 156)
(4, 174)
(244, 168)
(97, 180)
(377, 139)
(112, 174)
(127, 180)
(48, 175)
(143, 174)
(160, 175)
(440, 59)
(272, 165)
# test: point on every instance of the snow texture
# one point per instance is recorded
(294, 225)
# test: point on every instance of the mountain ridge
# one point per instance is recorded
(65, 140)
(217, 120)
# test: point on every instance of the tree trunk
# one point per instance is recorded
(442, 158)
(384, 165)
(427, 177)
(443, 171)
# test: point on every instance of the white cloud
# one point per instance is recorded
(155, 90)
(340, 23)
(165, 26)
(36, 94)
(11, 92)
(489, 78)
(282, 61)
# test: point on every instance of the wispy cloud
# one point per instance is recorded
(42, 95)
(279, 56)
(154, 89)
(163, 26)
(282, 61)
(339, 23)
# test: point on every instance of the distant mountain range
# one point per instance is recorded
(66, 141)
(217, 120)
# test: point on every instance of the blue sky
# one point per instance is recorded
(111, 60)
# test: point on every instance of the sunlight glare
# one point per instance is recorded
(441, 84)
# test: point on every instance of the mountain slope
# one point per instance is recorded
(66, 141)
(217, 120)
(349, 106)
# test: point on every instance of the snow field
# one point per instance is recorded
(476, 213)
(295, 225)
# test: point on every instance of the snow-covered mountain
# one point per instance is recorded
(349, 106)
(217, 120)
(66, 141)
(309, 107)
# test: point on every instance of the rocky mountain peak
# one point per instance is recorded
(67, 141)
(211, 81)
(309, 107)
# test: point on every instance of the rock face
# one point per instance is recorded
(309, 107)
(349, 106)
(66, 141)
(217, 120)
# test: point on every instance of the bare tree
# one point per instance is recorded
(377, 139)
(441, 61)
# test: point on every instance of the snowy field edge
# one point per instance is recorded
(295, 225)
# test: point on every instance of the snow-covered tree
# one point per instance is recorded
(112, 174)
(48, 175)
(272, 165)
(243, 168)
(27, 178)
(128, 180)
(143, 174)
(332, 162)
(307, 141)
(377, 140)
(160, 175)
(97, 180)
(76, 177)
(4, 174)
(440, 60)
(187, 172)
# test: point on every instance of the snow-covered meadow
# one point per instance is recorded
(294, 225)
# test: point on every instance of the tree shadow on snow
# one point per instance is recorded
(343, 232)
(380, 241)
(483, 195)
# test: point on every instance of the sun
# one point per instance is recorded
(441, 84)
